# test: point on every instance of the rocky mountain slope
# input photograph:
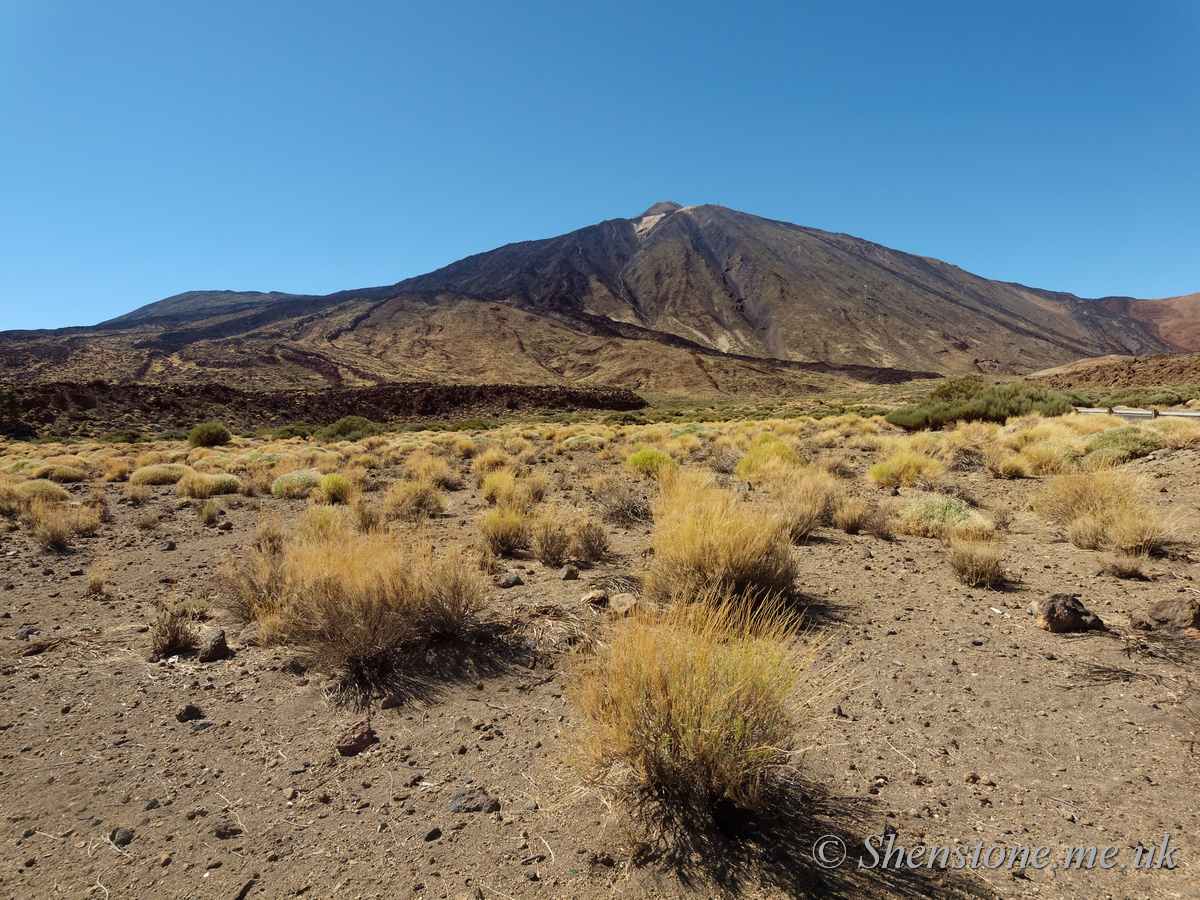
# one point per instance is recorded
(743, 284)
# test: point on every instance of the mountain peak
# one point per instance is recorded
(659, 209)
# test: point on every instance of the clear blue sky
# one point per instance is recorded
(149, 148)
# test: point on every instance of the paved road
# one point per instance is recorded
(1137, 414)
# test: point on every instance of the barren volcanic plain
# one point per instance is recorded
(934, 710)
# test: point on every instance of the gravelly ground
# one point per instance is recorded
(961, 722)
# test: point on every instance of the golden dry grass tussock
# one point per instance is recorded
(421, 466)
(490, 460)
(411, 501)
(504, 531)
(200, 486)
(976, 562)
(1103, 509)
(353, 604)
(706, 540)
(904, 468)
(805, 498)
(694, 706)
(173, 631)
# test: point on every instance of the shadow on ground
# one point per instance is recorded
(737, 851)
(422, 673)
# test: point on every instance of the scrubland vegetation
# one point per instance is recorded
(694, 699)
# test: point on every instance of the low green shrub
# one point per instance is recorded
(348, 428)
(291, 431)
(971, 399)
(121, 436)
(1160, 396)
(209, 434)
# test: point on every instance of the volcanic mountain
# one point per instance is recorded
(677, 300)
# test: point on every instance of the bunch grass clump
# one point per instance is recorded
(200, 486)
(503, 488)
(620, 503)
(22, 466)
(589, 540)
(693, 707)
(209, 513)
(173, 631)
(965, 446)
(851, 514)
(550, 540)
(334, 488)
(490, 460)
(412, 501)
(805, 497)
(421, 466)
(498, 486)
(159, 473)
(40, 489)
(295, 485)
(976, 562)
(48, 521)
(1047, 458)
(504, 531)
(1103, 509)
(705, 540)
(1004, 464)
(650, 463)
(117, 470)
(1176, 433)
(360, 606)
(904, 468)
(1122, 566)
(211, 463)
(12, 501)
(767, 453)
(60, 474)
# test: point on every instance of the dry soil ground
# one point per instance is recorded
(961, 723)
